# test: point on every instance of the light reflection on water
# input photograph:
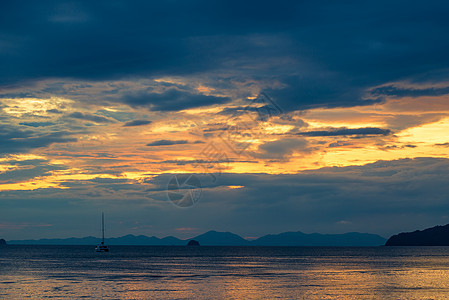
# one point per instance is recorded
(38, 272)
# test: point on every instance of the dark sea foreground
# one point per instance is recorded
(181, 272)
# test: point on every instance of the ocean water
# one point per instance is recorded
(155, 272)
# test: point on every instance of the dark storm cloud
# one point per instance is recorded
(409, 92)
(14, 140)
(136, 123)
(347, 131)
(323, 53)
(172, 100)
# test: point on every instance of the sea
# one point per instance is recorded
(183, 272)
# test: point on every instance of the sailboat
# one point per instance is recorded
(102, 247)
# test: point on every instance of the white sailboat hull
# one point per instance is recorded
(102, 248)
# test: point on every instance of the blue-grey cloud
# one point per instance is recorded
(54, 111)
(400, 122)
(37, 124)
(89, 117)
(346, 132)
(16, 140)
(338, 144)
(171, 142)
(27, 170)
(203, 161)
(137, 123)
(282, 149)
(391, 90)
(172, 100)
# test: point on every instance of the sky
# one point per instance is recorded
(255, 117)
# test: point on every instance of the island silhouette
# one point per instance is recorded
(435, 236)
(193, 243)
(215, 238)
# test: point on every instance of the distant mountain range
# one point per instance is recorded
(214, 238)
(316, 239)
(435, 236)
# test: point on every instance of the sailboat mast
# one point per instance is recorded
(102, 226)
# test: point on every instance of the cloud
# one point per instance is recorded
(136, 123)
(404, 121)
(346, 132)
(15, 140)
(296, 51)
(15, 226)
(28, 169)
(339, 144)
(202, 161)
(282, 149)
(443, 144)
(343, 222)
(172, 100)
(385, 197)
(172, 142)
(89, 117)
(312, 91)
(399, 92)
(54, 111)
(37, 124)
(396, 192)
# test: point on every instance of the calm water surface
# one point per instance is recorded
(145, 272)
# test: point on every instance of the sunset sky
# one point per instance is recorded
(313, 116)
